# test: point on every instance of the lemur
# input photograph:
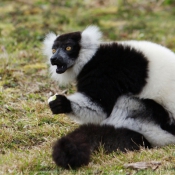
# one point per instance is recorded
(125, 94)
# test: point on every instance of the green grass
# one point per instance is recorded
(27, 127)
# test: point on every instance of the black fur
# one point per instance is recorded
(74, 149)
(158, 115)
(60, 105)
(74, 41)
(113, 71)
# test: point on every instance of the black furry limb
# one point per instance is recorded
(74, 149)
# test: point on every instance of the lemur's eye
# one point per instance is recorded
(53, 51)
(68, 48)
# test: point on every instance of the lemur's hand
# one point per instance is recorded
(59, 104)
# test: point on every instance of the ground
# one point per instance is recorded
(27, 127)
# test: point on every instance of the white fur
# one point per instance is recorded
(120, 118)
(47, 51)
(84, 110)
(48, 43)
(90, 40)
(161, 82)
(91, 37)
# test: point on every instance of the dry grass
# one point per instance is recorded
(27, 127)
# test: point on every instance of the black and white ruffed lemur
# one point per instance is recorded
(125, 94)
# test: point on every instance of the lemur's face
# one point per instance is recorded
(65, 51)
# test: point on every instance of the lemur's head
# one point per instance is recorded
(67, 50)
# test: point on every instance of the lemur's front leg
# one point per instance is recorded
(78, 106)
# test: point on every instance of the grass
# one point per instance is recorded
(27, 127)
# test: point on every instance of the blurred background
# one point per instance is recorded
(129, 19)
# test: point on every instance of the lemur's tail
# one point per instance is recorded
(74, 149)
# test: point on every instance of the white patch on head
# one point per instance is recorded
(120, 118)
(90, 37)
(84, 110)
(48, 43)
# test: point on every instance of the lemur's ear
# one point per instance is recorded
(90, 36)
(48, 43)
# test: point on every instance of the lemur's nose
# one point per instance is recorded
(57, 60)
(53, 60)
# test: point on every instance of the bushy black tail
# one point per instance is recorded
(74, 149)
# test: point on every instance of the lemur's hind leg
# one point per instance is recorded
(74, 149)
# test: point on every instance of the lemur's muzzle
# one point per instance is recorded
(59, 61)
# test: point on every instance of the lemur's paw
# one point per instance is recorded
(59, 104)
(69, 154)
